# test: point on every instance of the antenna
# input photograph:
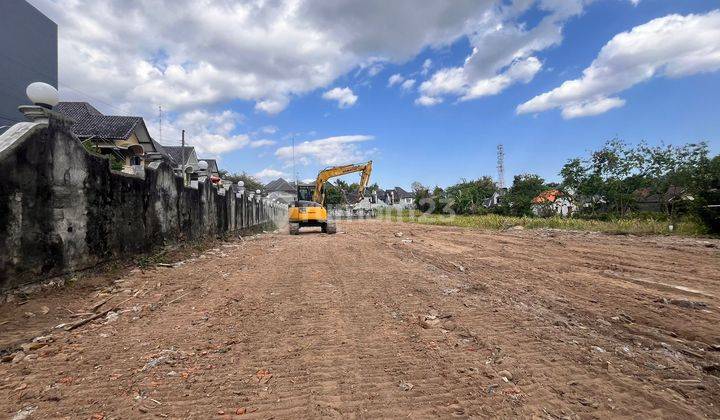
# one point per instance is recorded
(501, 165)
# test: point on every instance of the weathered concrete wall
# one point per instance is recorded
(63, 209)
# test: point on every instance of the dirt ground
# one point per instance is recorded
(380, 320)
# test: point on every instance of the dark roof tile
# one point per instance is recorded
(175, 153)
(89, 122)
(279, 185)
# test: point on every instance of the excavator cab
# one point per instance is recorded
(309, 208)
(305, 192)
(308, 213)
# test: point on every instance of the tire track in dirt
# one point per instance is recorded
(345, 323)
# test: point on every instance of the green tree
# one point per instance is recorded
(333, 195)
(708, 195)
(525, 187)
(423, 199)
(674, 172)
(251, 183)
(439, 199)
(467, 196)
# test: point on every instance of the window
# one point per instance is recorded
(135, 160)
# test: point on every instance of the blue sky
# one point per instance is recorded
(451, 140)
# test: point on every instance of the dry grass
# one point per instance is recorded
(633, 226)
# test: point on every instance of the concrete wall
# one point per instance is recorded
(28, 43)
(63, 209)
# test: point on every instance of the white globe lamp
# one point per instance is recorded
(203, 165)
(42, 94)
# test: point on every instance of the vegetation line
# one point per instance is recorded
(634, 226)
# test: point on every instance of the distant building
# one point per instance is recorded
(495, 199)
(378, 196)
(29, 54)
(125, 138)
(399, 196)
(551, 202)
(650, 201)
(212, 169)
(191, 164)
(282, 190)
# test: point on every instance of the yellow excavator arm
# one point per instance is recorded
(326, 174)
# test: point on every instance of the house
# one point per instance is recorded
(654, 202)
(406, 199)
(212, 170)
(551, 202)
(378, 196)
(187, 160)
(400, 198)
(124, 138)
(185, 157)
(495, 199)
(282, 190)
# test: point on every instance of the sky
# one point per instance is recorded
(426, 92)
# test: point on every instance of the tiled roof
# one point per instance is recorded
(175, 153)
(89, 122)
(279, 185)
(547, 196)
(76, 110)
(400, 193)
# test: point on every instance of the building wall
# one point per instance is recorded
(62, 209)
(28, 43)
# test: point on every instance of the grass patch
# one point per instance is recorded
(635, 226)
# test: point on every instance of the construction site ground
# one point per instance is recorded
(380, 320)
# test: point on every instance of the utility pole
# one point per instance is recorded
(182, 150)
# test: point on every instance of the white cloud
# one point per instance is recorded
(635, 2)
(427, 100)
(426, 65)
(272, 106)
(269, 129)
(212, 134)
(328, 151)
(408, 84)
(269, 174)
(374, 69)
(260, 143)
(521, 70)
(344, 97)
(503, 52)
(672, 46)
(591, 107)
(137, 54)
(395, 79)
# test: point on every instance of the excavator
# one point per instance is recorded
(309, 208)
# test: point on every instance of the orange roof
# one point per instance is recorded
(547, 196)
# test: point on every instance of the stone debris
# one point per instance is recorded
(406, 386)
(25, 413)
(506, 375)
